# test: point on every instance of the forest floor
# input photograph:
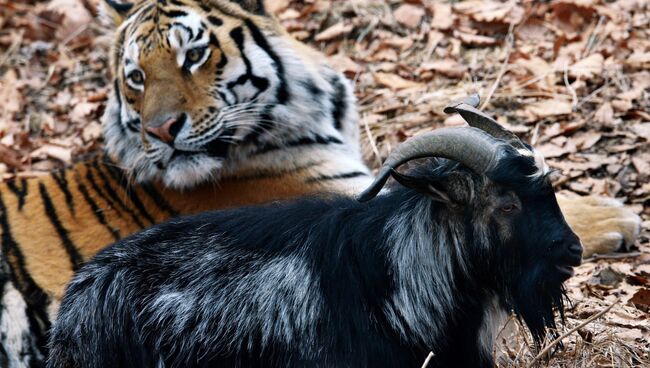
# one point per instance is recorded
(570, 77)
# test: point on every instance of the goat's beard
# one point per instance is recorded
(538, 302)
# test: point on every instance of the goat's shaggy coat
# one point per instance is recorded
(327, 282)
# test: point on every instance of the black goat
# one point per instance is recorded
(332, 282)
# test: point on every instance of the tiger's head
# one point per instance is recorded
(201, 86)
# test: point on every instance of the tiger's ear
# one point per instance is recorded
(252, 6)
(116, 11)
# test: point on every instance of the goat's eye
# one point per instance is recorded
(508, 208)
(195, 55)
(136, 77)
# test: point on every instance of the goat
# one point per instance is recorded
(431, 265)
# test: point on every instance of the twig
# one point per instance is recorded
(428, 360)
(583, 324)
(18, 40)
(371, 139)
(597, 256)
(574, 96)
(510, 41)
(591, 41)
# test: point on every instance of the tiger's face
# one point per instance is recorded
(197, 83)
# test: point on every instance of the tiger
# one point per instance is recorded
(213, 105)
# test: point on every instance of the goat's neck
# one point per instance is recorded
(434, 302)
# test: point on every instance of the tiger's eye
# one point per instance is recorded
(194, 55)
(136, 77)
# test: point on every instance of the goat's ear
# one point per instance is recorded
(115, 11)
(437, 191)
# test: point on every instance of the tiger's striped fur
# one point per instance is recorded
(53, 224)
(266, 118)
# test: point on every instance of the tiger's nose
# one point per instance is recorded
(168, 130)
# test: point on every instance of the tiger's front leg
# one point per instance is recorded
(603, 224)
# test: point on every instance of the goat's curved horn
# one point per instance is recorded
(469, 146)
(467, 108)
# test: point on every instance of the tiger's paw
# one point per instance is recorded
(603, 224)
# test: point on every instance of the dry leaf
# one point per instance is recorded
(10, 157)
(12, 102)
(91, 131)
(642, 130)
(641, 299)
(535, 65)
(276, 6)
(447, 67)
(443, 18)
(82, 111)
(343, 63)
(605, 114)
(641, 163)
(550, 150)
(491, 11)
(476, 40)
(546, 108)
(56, 152)
(622, 105)
(639, 60)
(394, 81)
(335, 31)
(409, 15)
(76, 17)
(587, 140)
(588, 67)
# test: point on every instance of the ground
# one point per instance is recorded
(571, 77)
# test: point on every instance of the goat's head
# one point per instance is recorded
(522, 248)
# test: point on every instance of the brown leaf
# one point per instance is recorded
(10, 157)
(491, 11)
(443, 18)
(76, 17)
(587, 140)
(12, 100)
(335, 31)
(91, 131)
(276, 6)
(82, 111)
(622, 106)
(409, 15)
(475, 40)
(639, 60)
(343, 63)
(641, 299)
(641, 163)
(53, 151)
(447, 67)
(605, 114)
(642, 130)
(546, 108)
(394, 81)
(588, 67)
(552, 150)
(535, 65)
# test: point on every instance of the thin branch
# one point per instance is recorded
(568, 85)
(428, 360)
(510, 42)
(597, 256)
(583, 324)
(371, 139)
